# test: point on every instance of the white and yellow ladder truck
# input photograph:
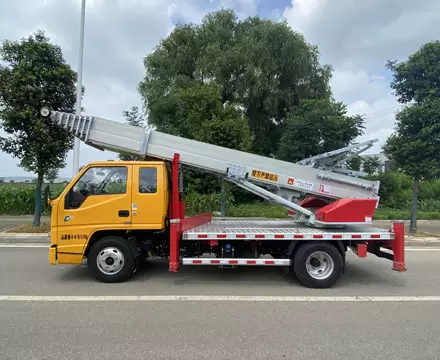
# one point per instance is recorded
(116, 214)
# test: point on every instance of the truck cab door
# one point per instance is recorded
(100, 199)
(149, 196)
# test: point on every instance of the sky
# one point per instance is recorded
(355, 37)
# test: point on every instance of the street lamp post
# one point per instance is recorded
(79, 86)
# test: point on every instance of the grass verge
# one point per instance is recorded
(395, 214)
(420, 234)
(28, 228)
(257, 210)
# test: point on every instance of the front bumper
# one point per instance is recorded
(53, 255)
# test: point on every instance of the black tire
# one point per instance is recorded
(329, 254)
(111, 247)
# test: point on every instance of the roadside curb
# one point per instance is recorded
(22, 238)
(427, 241)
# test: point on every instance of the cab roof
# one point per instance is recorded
(124, 162)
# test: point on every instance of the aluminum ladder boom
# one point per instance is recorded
(287, 181)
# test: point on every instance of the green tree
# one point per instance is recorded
(203, 117)
(354, 163)
(415, 146)
(51, 175)
(416, 79)
(208, 120)
(133, 117)
(260, 66)
(316, 127)
(371, 164)
(33, 73)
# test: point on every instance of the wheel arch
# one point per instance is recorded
(99, 234)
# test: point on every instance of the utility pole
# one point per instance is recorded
(76, 147)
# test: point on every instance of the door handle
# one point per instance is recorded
(123, 213)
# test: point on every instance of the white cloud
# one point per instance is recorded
(366, 95)
(357, 38)
(118, 34)
(243, 8)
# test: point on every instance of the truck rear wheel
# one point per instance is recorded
(111, 259)
(318, 264)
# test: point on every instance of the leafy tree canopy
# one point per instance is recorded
(354, 163)
(33, 73)
(259, 66)
(371, 164)
(417, 78)
(415, 146)
(134, 117)
(315, 127)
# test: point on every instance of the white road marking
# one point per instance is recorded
(223, 298)
(422, 249)
(29, 245)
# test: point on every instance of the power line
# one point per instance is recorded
(383, 112)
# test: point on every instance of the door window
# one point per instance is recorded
(100, 180)
(148, 180)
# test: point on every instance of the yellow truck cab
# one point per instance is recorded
(105, 200)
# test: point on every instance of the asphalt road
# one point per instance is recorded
(41, 328)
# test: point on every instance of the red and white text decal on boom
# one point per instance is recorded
(307, 185)
(325, 189)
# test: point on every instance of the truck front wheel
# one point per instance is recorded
(111, 259)
(318, 264)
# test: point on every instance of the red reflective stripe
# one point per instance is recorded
(318, 236)
(215, 261)
(269, 262)
(279, 236)
(251, 262)
(202, 236)
(240, 236)
(356, 236)
(221, 236)
(298, 236)
(259, 236)
(197, 261)
(375, 236)
(337, 236)
(233, 262)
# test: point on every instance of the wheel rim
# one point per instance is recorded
(110, 260)
(320, 265)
